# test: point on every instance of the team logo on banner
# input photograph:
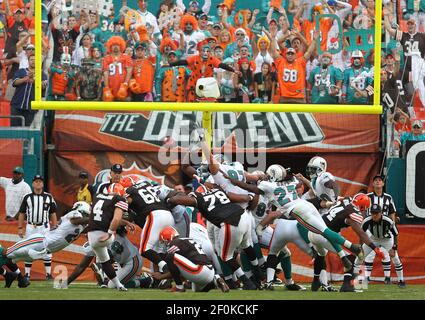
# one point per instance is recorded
(142, 174)
(248, 130)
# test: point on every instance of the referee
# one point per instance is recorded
(115, 177)
(383, 232)
(39, 208)
(384, 200)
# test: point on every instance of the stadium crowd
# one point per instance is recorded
(275, 53)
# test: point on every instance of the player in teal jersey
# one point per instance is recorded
(357, 80)
(326, 81)
(10, 276)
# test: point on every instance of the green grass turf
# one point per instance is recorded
(44, 291)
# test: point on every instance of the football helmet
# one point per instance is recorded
(129, 180)
(168, 234)
(83, 207)
(316, 166)
(361, 201)
(276, 173)
(201, 189)
(116, 188)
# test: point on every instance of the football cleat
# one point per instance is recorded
(23, 282)
(277, 281)
(328, 288)
(232, 284)
(98, 274)
(49, 277)
(387, 280)
(221, 284)
(347, 287)
(122, 288)
(249, 285)
(315, 285)
(165, 284)
(402, 284)
(9, 277)
(268, 286)
(295, 287)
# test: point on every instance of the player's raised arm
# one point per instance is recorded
(213, 164)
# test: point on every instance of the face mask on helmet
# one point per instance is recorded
(315, 166)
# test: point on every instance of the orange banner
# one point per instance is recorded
(274, 132)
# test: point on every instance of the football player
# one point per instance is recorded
(323, 186)
(233, 222)
(125, 254)
(345, 213)
(104, 220)
(152, 215)
(186, 259)
(285, 198)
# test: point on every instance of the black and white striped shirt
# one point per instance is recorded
(38, 207)
(385, 201)
(385, 228)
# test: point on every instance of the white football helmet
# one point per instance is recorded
(276, 173)
(316, 166)
(82, 207)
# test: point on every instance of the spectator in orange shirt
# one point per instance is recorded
(308, 27)
(141, 84)
(117, 70)
(291, 71)
(202, 66)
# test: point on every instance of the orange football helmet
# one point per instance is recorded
(130, 180)
(116, 188)
(361, 201)
(168, 234)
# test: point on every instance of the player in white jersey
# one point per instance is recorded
(220, 173)
(126, 255)
(323, 186)
(37, 246)
(285, 197)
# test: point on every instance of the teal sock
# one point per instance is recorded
(285, 262)
(225, 268)
(246, 265)
(303, 231)
(258, 252)
(334, 238)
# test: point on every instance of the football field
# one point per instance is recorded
(41, 290)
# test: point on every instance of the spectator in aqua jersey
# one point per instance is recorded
(416, 135)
